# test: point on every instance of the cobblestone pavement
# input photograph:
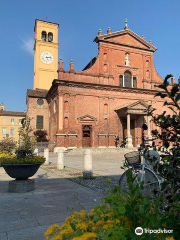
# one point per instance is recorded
(27, 216)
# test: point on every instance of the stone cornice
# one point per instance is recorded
(100, 87)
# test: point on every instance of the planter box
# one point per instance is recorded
(21, 171)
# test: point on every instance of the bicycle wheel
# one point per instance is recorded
(150, 180)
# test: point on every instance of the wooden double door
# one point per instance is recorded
(86, 136)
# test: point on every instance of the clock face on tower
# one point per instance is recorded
(47, 57)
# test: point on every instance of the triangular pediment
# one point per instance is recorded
(139, 105)
(127, 38)
(87, 118)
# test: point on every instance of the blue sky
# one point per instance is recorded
(79, 22)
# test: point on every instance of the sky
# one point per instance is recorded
(79, 22)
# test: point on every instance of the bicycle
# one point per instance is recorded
(142, 172)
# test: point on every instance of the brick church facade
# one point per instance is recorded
(108, 98)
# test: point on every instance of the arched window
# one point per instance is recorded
(43, 35)
(50, 37)
(127, 79)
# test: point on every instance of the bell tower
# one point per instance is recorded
(45, 54)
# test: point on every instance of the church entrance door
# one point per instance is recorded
(86, 136)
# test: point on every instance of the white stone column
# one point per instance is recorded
(46, 155)
(123, 81)
(128, 137)
(149, 136)
(36, 151)
(60, 162)
(87, 173)
(132, 84)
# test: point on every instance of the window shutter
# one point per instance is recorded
(39, 122)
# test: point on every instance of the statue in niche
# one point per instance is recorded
(127, 59)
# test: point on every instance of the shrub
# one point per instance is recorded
(118, 218)
(7, 145)
(24, 153)
(13, 159)
(41, 135)
(169, 123)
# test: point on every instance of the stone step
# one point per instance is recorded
(70, 151)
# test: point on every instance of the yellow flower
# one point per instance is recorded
(109, 180)
(86, 236)
(82, 226)
(169, 238)
(52, 230)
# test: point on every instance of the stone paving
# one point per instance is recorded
(105, 162)
(27, 216)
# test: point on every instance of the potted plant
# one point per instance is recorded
(24, 163)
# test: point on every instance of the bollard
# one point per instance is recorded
(46, 155)
(87, 173)
(36, 151)
(60, 162)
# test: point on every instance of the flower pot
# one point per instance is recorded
(21, 171)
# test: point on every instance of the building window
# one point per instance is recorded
(12, 131)
(121, 80)
(39, 122)
(50, 37)
(127, 79)
(4, 121)
(4, 131)
(40, 102)
(19, 121)
(43, 35)
(12, 121)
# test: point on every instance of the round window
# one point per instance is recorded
(40, 102)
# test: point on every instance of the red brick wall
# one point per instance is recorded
(33, 109)
(100, 105)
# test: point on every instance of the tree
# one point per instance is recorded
(28, 141)
(7, 145)
(169, 167)
(41, 135)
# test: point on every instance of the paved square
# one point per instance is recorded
(26, 216)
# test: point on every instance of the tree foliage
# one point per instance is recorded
(41, 135)
(169, 136)
(7, 145)
(27, 140)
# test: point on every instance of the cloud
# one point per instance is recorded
(28, 45)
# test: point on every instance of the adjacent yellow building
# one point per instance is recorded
(10, 122)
